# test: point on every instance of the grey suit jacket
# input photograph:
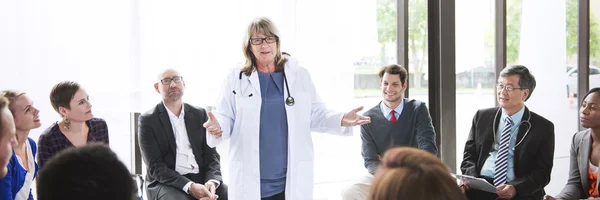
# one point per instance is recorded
(578, 186)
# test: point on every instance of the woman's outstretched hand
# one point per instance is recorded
(212, 125)
(352, 118)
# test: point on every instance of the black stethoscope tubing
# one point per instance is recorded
(290, 101)
(526, 132)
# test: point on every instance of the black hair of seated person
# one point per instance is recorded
(593, 90)
(91, 172)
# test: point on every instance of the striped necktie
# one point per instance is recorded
(502, 157)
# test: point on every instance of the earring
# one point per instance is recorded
(67, 123)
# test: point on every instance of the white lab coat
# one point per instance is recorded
(239, 116)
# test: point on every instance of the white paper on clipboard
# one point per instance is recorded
(476, 183)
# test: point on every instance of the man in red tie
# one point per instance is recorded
(395, 121)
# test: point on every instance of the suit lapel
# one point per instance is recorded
(583, 159)
(166, 124)
(191, 121)
(489, 136)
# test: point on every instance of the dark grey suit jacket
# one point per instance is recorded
(416, 130)
(578, 184)
(158, 147)
(533, 158)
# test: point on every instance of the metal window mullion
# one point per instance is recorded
(402, 37)
(583, 52)
(499, 39)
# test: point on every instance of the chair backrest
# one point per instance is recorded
(136, 157)
(139, 184)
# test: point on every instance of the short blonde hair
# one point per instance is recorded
(410, 173)
(12, 96)
(3, 105)
(265, 26)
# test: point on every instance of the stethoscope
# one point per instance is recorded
(288, 101)
(526, 132)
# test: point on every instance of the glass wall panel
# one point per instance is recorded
(417, 51)
(594, 45)
(475, 70)
(543, 37)
(378, 34)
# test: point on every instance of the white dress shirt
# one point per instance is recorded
(23, 193)
(185, 160)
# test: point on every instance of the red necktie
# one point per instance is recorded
(393, 119)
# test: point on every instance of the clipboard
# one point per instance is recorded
(476, 183)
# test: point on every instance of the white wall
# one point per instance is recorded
(43, 43)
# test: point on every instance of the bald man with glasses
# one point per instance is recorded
(173, 144)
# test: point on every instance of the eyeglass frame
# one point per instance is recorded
(509, 88)
(170, 80)
(263, 40)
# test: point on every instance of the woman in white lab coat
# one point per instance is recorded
(268, 109)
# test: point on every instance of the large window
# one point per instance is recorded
(594, 80)
(544, 38)
(378, 36)
(475, 70)
(418, 51)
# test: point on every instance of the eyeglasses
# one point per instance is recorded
(507, 87)
(259, 41)
(167, 81)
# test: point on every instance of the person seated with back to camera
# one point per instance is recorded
(411, 173)
(90, 172)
